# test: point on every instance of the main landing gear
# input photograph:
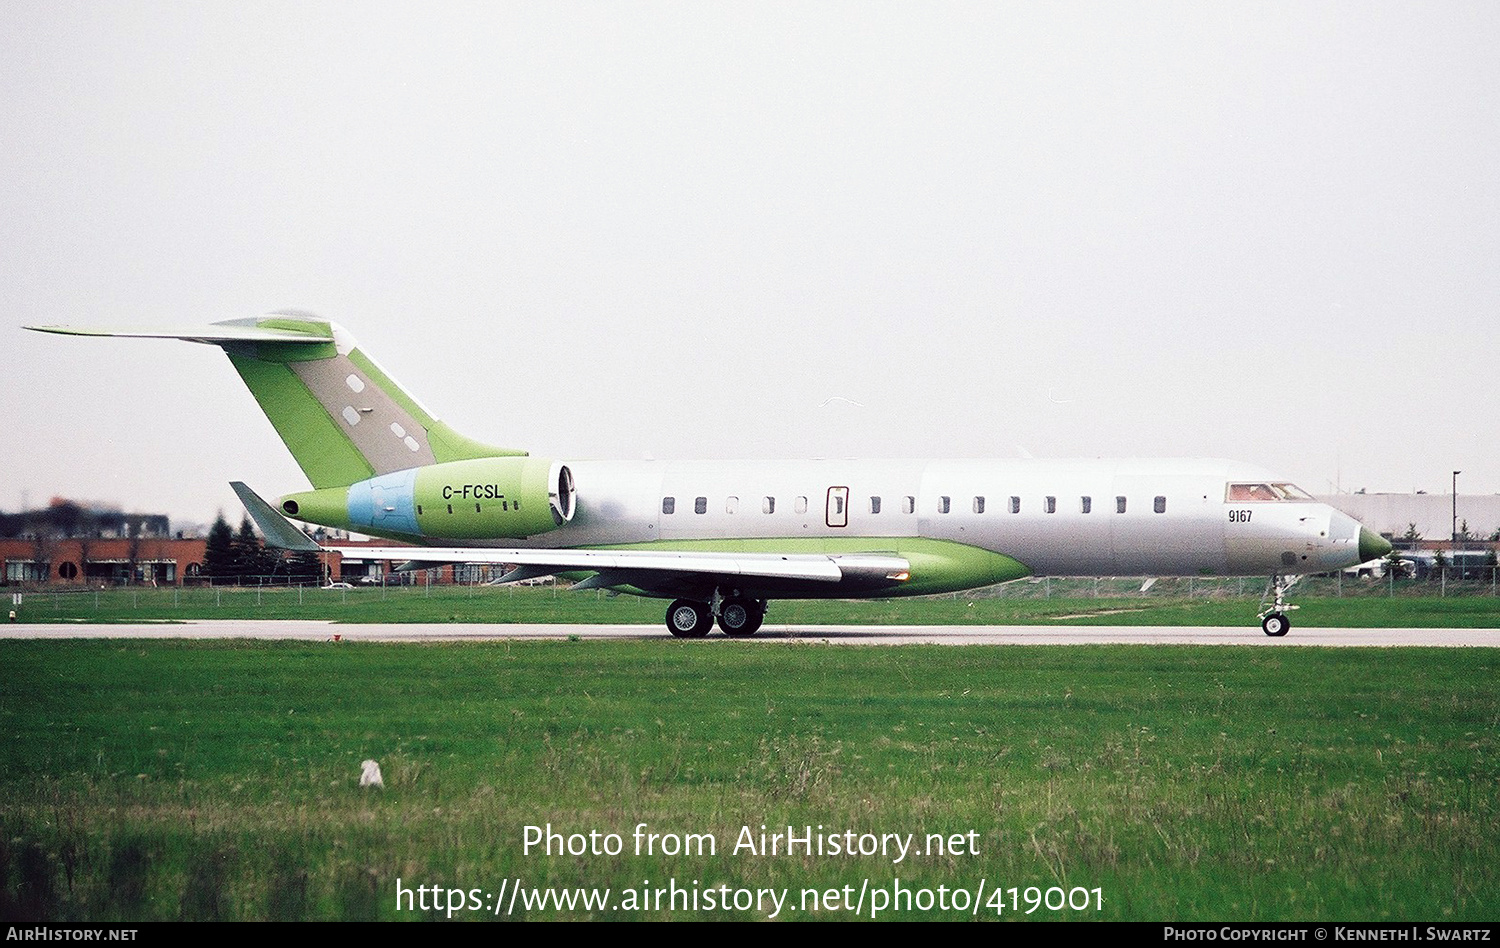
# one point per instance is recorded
(739, 617)
(1273, 620)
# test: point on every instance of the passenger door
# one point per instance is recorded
(838, 507)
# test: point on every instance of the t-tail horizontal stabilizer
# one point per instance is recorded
(219, 334)
(278, 530)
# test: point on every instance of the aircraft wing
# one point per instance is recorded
(802, 566)
(279, 532)
(661, 569)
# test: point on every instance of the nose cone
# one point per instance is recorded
(1372, 546)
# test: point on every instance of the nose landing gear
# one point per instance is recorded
(1273, 620)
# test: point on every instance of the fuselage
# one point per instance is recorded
(1176, 517)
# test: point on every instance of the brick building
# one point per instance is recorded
(97, 561)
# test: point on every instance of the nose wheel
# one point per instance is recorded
(1273, 619)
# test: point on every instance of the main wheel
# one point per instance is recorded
(1276, 624)
(687, 619)
(739, 617)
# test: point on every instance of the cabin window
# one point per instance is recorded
(874, 505)
(909, 504)
(1050, 505)
(768, 505)
(1160, 506)
(700, 505)
(943, 503)
(668, 505)
(731, 504)
(1086, 504)
(800, 505)
(1119, 505)
(979, 505)
(1015, 505)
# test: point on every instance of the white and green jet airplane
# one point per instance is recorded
(720, 538)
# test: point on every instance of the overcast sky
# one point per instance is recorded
(1262, 231)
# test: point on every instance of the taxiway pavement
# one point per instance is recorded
(308, 630)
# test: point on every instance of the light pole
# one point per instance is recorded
(1455, 510)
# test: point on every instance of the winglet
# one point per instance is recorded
(278, 530)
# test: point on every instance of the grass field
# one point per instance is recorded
(1350, 604)
(164, 780)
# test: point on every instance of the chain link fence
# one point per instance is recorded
(286, 600)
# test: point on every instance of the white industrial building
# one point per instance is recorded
(1392, 514)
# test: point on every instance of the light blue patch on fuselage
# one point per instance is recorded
(386, 503)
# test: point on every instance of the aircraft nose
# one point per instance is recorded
(1372, 546)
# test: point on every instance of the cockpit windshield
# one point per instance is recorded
(1261, 493)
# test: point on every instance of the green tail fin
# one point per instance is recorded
(342, 417)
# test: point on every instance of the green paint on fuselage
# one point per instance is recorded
(937, 566)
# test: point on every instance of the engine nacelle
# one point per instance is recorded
(485, 498)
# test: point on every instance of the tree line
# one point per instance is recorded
(243, 559)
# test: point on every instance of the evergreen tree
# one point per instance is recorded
(218, 555)
(250, 560)
(306, 568)
(1393, 564)
(291, 567)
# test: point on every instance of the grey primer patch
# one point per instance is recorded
(328, 381)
